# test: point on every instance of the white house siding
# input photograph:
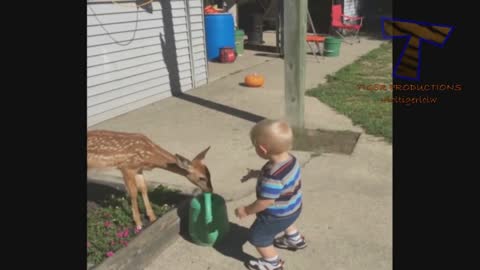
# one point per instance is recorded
(350, 7)
(197, 32)
(126, 68)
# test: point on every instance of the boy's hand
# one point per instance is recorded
(250, 174)
(240, 212)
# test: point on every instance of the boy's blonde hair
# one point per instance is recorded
(275, 135)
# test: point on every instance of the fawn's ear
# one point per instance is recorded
(202, 154)
(183, 162)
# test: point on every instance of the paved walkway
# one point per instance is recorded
(348, 198)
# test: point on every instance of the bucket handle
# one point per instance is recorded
(208, 208)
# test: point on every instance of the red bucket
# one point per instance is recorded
(227, 55)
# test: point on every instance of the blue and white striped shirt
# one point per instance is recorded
(281, 182)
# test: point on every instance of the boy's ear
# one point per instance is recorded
(263, 149)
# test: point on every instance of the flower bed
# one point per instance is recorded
(110, 226)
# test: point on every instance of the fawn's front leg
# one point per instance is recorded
(130, 182)
(142, 186)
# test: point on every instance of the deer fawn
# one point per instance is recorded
(132, 154)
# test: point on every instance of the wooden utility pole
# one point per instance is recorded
(295, 29)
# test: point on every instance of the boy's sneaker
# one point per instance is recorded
(261, 264)
(285, 243)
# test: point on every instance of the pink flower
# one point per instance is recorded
(107, 224)
(123, 234)
(137, 230)
(125, 243)
(112, 243)
(110, 254)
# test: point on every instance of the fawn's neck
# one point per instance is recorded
(167, 161)
(173, 167)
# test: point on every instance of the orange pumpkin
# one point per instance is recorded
(254, 80)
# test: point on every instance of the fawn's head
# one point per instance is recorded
(198, 172)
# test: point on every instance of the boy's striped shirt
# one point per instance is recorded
(281, 182)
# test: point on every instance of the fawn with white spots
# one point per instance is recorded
(133, 153)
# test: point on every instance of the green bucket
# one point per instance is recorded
(208, 219)
(239, 37)
(332, 46)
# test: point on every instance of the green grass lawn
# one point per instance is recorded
(364, 107)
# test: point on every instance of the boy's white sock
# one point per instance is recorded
(294, 237)
(273, 260)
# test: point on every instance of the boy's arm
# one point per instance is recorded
(258, 206)
(270, 190)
